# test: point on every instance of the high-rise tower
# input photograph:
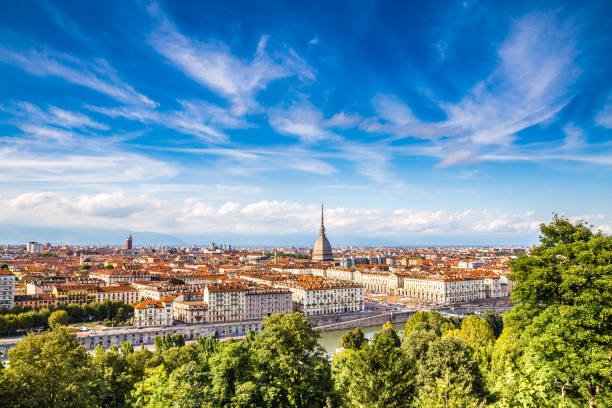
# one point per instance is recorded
(322, 251)
(128, 242)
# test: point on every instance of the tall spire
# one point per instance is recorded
(322, 229)
(322, 251)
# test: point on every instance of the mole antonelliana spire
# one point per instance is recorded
(322, 249)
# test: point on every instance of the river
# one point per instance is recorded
(331, 339)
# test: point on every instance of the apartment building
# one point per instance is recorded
(320, 297)
(266, 301)
(126, 294)
(154, 313)
(113, 277)
(443, 289)
(35, 301)
(226, 302)
(7, 289)
(77, 294)
(190, 308)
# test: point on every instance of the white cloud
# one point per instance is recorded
(167, 214)
(97, 75)
(529, 86)
(21, 165)
(574, 136)
(111, 205)
(228, 207)
(198, 118)
(313, 41)
(459, 157)
(30, 200)
(214, 66)
(302, 120)
(29, 113)
(194, 215)
(604, 116)
(343, 120)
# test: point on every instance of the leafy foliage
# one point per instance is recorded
(563, 304)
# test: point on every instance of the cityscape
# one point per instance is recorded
(225, 292)
(305, 204)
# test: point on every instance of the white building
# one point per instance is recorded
(126, 294)
(153, 313)
(437, 289)
(226, 302)
(34, 247)
(190, 308)
(7, 289)
(325, 297)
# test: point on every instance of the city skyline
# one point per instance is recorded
(465, 123)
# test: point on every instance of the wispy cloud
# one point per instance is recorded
(214, 66)
(529, 86)
(343, 120)
(52, 115)
(604, 116)
(198, 118)
(303, 120)
(97, 75)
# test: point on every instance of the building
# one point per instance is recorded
(190, 308)
(128, 242)
(444, 289)
(113, 276)
(77, 294)
(320, 297)
(322, 251)
(35, 301)
(7, 289)
(34, 248)
(154, 313)
(126, 294)
(226, 302)
(352, 261)
(266, 301)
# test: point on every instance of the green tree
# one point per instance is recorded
(476, 332)
(230, 370)
(58, 318)
(114, 381)
(152, 391)
(121, 316)
(50, 370)
(445, 394)
(290, 364)
(416, 343)
(353, 340)
(495, 321)
(188, 387)
(513, 380)
(451, 359)
(428, 321)
(380, 374)
(563, 303)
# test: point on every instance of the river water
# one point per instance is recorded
(330, 340)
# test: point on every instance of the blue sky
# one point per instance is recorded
(414, 122)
